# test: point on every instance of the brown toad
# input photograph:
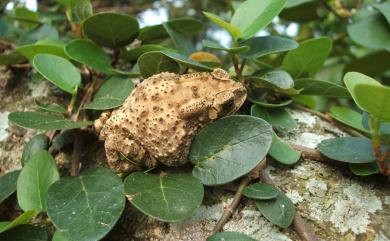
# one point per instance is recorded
(159, 119)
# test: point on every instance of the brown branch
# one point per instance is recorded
(300, 226)
(77, 145)
(228, 212)
(329, 119)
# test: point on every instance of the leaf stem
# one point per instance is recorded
(72, 104)
(237, 69)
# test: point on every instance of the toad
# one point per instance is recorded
(158, 121)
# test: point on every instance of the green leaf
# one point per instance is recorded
(88, 53)
(26, 18)
(43, 121)
(230, 236)
(374, 99)
(59, 71)
(373, 64)
(279, 211)
(282, 152)
(21, 219)
(229, 148)
(348, 117)
(184, 60)
(58, 237)
(348, 149)
(276, 79)
(233, 30)
(261, 191)
(308, 58)
(252, 16)
(50, 107)
(364, 169)
(43, 32)
(369, 94)
(169, 198)
(86, 207)
(8, 184)
(30, 50)
(278, 117)
(35, 144)
(303, 12)
(321, 87)
(134, 54)
(11, 58)
(185, 25)
(112, 93)
(79, 10)
(233, 50)
(34, 181)
(384, 8)
(25, 233)
(261, 46)
(371, 32)
(181, 43)
(151, 63)
(111, 29)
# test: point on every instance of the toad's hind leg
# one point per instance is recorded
(123, 154)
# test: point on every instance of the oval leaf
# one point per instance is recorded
(151, 63)
(348, 117)
(35, 144)
(90, 54)
(111, 29)
(8, 184)
(252, 15)
(43, 121)
(34, 181)
(376, 32)
(86, 207)
(369, 94)
(112, 93)
(282, 152)
(59, 71)
(230, 236)
(175, 196)
(321, 87)
(261, 191)
(364, 169)
(348, 149)
(308, 58)
(29, 51)
(279, 211)
(229, 148)
(261, 46)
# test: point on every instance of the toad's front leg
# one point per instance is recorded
(124, 154)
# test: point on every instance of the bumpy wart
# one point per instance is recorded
(159, 119)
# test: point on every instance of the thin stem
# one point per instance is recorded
(228, 212)
(237, 69)
(72, 104)
(77, 145)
